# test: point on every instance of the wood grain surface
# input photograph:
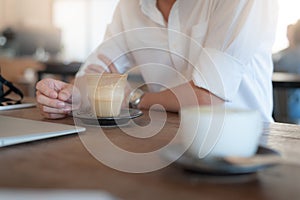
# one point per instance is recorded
(65, 163)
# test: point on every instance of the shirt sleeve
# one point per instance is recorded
(236, 30)
(113, 46)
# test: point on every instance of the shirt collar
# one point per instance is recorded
(149, 9)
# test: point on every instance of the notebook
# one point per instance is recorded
(17, 106)
(16, 130)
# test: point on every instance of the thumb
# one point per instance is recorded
(111, 66)
(65, 94)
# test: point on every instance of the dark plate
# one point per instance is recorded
(125, 116)
(215, 166)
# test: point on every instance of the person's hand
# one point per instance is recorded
(96, 68)
(54, 98)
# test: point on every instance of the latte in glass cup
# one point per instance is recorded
(106, 93)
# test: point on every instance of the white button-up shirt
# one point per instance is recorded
(224, 46)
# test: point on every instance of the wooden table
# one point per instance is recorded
(64, 163)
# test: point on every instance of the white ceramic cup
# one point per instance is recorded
(219, 131)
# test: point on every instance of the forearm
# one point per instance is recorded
(181, 96)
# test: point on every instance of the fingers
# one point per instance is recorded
(112, 68)
(71, 96)
(66, 93)
(94, 69)
(53, 116)
(52, 113)
(47, 88)
(65, 110)
(52, 108)
(54, 98)
(50, 102)
(50, 87)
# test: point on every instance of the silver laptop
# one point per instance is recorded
(16, 130)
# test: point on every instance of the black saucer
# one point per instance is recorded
(125, 116)
(213, 166)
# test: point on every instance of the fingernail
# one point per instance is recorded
(61, 104)
(63, 96)
(67, 109)
(53, 95)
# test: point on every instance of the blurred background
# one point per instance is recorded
(70, 28)
(49, 37)
(41, 38)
